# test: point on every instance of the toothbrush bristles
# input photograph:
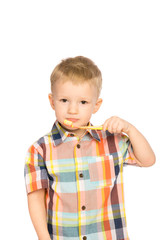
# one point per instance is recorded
(68, 123)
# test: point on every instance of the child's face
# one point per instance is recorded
(76, 103)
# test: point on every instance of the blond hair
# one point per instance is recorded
(78, 70)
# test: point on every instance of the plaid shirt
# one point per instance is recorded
(83, 179)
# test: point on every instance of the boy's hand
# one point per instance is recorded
(143, 153)
(116, 125)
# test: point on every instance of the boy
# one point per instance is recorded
(74, 177)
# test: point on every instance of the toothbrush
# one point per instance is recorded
(70, 124)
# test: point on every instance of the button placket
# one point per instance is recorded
(80, 185)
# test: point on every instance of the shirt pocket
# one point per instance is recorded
(101, 171)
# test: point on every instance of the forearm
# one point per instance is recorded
(141, 148)
(37, 212)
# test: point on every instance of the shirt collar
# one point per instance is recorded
(59, 134)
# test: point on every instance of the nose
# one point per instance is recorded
(73, 108)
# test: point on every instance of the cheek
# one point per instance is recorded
(87, 112)
(92, 108)
(59, 110)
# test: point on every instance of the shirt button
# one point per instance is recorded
(83, 207)
(78, 145)
(81, 175)
(84, 238)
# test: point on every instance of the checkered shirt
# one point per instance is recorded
(83, 179)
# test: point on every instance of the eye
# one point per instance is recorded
(84, 102)
(63, 100)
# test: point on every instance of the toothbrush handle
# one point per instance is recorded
(92, 127)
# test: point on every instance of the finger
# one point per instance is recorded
(105, 125)
(119, 129)
(111, 124)
(114, 126)
(111, 129)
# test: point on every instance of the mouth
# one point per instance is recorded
(72, 119)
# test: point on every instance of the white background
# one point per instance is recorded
(123, 39)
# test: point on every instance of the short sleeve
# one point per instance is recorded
(127, 151)
(35, 172)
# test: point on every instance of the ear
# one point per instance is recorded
(97, 105)
(50, 96)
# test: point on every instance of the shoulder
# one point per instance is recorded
(115, 142)
(113, 137)
(40, 144)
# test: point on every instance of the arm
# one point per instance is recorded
(37, 210)
(141, 148)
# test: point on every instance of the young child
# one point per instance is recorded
(74, 177)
